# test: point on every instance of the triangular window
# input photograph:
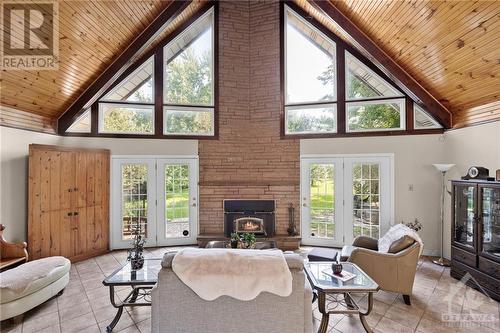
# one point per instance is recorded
(309, 62)
(137, 87)
(363, 83)
(422, 120)
(82, 124)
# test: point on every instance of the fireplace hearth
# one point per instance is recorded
(252, 216)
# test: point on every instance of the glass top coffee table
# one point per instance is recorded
(340, 299)
(141, 281)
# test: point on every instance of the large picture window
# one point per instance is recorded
(170, 90)
(188, 89)
(310, 91)
(330, 89)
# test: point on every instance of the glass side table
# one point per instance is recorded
(324, 285)
(141, 281)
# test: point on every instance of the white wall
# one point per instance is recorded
(14, 166)
(413, 159)
(466, 147)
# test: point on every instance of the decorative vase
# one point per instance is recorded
(234, 244)
(292, 229)
(137, 263)
(337, 268)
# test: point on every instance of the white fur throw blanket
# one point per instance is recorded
(241, 274)
(396, 232)
(19, 278)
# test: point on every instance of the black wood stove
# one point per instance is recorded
(253, 216)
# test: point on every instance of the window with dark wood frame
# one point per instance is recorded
(146, 101)
(338, 92)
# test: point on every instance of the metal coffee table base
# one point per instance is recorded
(352, 308)
(139, 296)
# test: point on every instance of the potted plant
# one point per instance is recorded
(235, 239)
(248, 240)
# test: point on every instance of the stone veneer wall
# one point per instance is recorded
(249, 161)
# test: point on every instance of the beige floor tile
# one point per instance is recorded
(39, 323)
(349, 324)
(124, 322)
(409, 318)
(139, 313)
(427, 325)
(51, 329)
(144, 326)
(385, 296)
(90, 329)
(130, 329)
(75, 310)
(105, 314)
(388, 325)
(77, 324)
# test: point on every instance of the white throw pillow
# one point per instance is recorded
(395, 232)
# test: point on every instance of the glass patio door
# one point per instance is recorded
(157, 195)
(345, 197)
(321, 202)
(177, 201)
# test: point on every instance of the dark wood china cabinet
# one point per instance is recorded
(475, 234)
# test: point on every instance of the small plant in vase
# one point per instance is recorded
(235, 239)
(415, 225)
(247, 240)
(135, 255)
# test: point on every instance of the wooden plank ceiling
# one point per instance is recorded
(451, 48)
(92, 35)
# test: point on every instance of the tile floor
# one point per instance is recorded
(85, 307)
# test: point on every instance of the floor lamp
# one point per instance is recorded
(443, 168)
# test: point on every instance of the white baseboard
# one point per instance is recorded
(433, 253)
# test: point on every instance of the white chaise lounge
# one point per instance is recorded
(29, 285)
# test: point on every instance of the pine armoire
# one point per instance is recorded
(68, 202)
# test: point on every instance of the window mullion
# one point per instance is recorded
(158, 91)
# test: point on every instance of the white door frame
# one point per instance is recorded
(115, 196)
(387, 187)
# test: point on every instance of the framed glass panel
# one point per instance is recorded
(363, 83)
(137, 87)
(376, 116)
(304, 44)
(465, 197)
(311, 119)
(188, 65)
(177, 200)
(322, 200)
(188, 121)
(134, 181)
(491, 220)
(366, 199)
(422, 120)
(128, 119)
(82, 124)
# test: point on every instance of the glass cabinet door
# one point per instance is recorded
(463, 233)
(490, 213)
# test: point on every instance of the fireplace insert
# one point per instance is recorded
(253, 216)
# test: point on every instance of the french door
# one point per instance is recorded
(157, 195)
(343, 197)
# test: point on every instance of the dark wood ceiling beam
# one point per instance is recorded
(125, 59)
(383, 61)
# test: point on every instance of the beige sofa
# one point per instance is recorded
(177, 309)
(393, 272)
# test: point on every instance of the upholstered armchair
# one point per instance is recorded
(393, 271)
